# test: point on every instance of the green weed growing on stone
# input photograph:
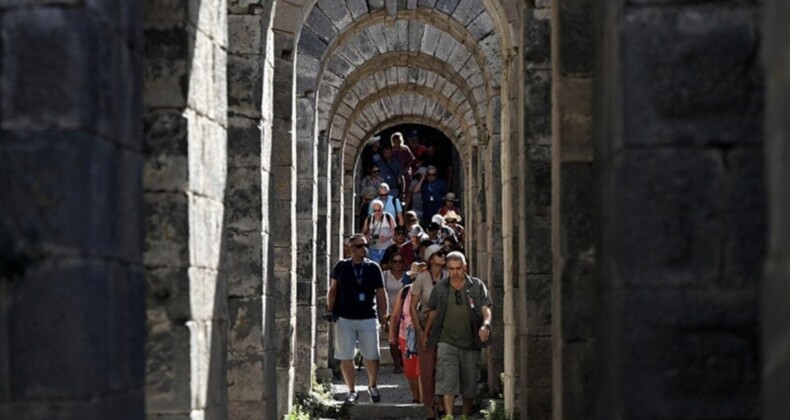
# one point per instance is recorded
(495, 411)
(318, 403)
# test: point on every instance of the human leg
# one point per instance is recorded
(427, 363)
(345, 340)
(448, 362)
(411, 370)
(468, 402)
(469, 375)
(396, 357)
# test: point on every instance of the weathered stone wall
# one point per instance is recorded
(323, 260)
(250, 71)
(306, 231)
(776, 286)
(185, 126)
(494, 275)
(71, 279)
(282, 218)
(535, 274)
(573, 221)
(681, 246)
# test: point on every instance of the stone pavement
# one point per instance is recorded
(395, 398)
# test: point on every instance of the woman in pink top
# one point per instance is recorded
(420, 292)
(400, 321)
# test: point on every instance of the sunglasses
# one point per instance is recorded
(439, 254)
(377, 211)
(458, 297)
(397, 261)
(430, 174)
(376, 171)
(359, 246)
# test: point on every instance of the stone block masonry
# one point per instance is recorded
(185, 209)
(71, 288)
(677, 318)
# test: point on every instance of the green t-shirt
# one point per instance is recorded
(456, 330)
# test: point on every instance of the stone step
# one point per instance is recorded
(367, 410)
(385, 411)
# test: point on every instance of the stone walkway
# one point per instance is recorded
(395, 398)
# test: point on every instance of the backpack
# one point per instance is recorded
(411, 333)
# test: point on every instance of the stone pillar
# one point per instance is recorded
(185, 179)
(250, 68)
(573, 219)
(776, 285)
(350, 207)
(338, 226)
(282, 220)
(510, 161)
(71, 276)
(534, 298)
(495, 265)
(323, 259)
(472, 207)
(678, 138)
(306, 215)
(481, 210)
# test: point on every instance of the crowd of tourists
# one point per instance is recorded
(405, 277)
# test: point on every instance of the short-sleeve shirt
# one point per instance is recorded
(421, 288)
(356, 288)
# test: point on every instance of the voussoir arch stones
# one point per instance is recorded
(423, 29)
(390, 80)
(352, 154)
(391, 106)
(421, 99)
(423, 64)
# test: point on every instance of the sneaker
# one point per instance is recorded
(374, 394)
(351, 398)
(397, 369)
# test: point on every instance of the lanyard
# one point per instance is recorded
(358, 273)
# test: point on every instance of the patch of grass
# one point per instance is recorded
(496, 412)
(317, 404)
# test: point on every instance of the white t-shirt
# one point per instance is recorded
(392, 285)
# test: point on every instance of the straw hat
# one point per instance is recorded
(450, 197)
(416, 268)
(452, 215)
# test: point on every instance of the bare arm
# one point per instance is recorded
(365, 227)
(418, 187)
(485, 330)
(415, 318)
(428, 325)
(331, 296)
(381, 304)
(397, 309)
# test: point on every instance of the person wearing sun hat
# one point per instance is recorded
(438, 231)
(420, 294)
(453, 221)
(450, 204)
(409, 249)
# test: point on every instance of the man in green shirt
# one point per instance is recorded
(458, 324)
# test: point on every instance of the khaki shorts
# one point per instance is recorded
(457, 371)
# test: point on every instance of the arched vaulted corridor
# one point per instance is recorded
(181, 175)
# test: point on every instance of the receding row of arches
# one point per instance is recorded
(613, 197)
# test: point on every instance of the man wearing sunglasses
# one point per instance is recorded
(356, 296)
(458, 325)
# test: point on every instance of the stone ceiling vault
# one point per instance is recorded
(370, 62)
